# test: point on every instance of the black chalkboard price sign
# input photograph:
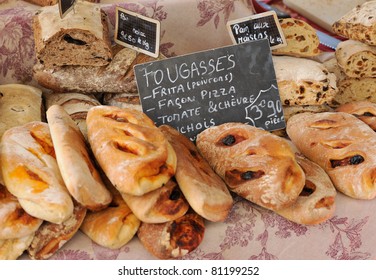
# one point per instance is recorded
(231, 84)
(65, 6)
(257, 27)
(137, 32)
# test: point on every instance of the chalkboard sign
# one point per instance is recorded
(137, 32)
(231, 84)
(65, 6)
(257, 27)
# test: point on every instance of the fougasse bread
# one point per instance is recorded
(363, 110)
(134, 154)
(78, 170)
(254, 163)
(343, 145)
(31, 173)
(205, 191)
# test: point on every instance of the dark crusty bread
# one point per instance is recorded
(80, 38)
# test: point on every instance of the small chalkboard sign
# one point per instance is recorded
(137, 32)
(231, 84)
(257, 27)
(65, 6)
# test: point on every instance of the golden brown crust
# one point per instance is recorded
(164, 204)
(363, 110)
(254, 163)
(31, 172)
(77, 168)
(51, 237)
(133, 153)
(173, 239)
(205, 191)
(342, 145)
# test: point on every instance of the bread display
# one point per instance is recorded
(301, 38)
(316, 203)
(50, 237)
(14, 221)
(342, 145)
(254, 163)
(77, 168)
(304, 81)
(363, 110)
(112, 227)
(134, 154)
(75, 104)
(356, 59)
(80, 38)
(164, 204)
(358, 24)
(173, 239)
(31, 173)
(205, 191)
(19, 104)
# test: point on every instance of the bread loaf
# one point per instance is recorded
(363, 110)
(304, 81)
(112, 227)
(76, 166)
(205, 191)
(19, 104)
(80, 38)
(254, 163)
(301, 38)
(31, 173)
(356, 59)
(123, 100)
(358, 24)
(12, 249)
(342, 145)
(51, 237)
(173, 239)
(164, 204)
(133, 153)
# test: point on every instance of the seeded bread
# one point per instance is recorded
(302, 40)
(356, 59)
(303, 81)
(80, 38)
(358, 24)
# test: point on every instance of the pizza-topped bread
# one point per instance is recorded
(31, 172)
(254, 163)
(134, 154)
(343, 145)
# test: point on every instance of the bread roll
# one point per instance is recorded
(80, 38)
(304, 81)
(301, 38)
(316, 203)
(77, 168)
(133, 153)
(112, 227)
(19, 104)
(254, 163)
(14, 221)
(12, 249)
(363, 110)
(356, 59)
(51, 237)
(31, 173)
(173, 239)
(75, 104)
(358, 24)
(205, 191)
(342, 145)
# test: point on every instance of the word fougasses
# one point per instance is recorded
(197, 91)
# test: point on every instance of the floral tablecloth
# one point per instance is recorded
(249, 232)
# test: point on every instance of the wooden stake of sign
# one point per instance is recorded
(257, 27)
(137, 32)
(231, 84)
(65, 6)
